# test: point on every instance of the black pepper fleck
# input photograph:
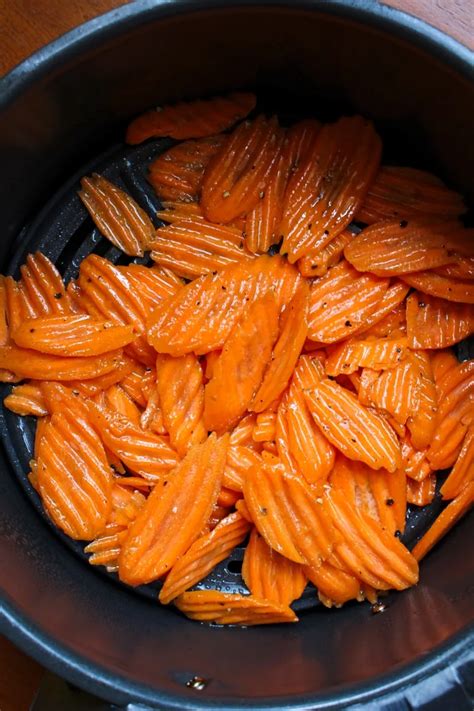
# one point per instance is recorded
(389, 502)
(403, 224)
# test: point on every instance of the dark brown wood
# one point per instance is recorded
(26, 25)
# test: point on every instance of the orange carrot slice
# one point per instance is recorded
(455, 510)
(181, 395)
(399, 192)
(395, 392)
(415, 464)
(293, 330)
(94, 386)
(105, 549)
(72, 335)
(232, 609)
(153, 284)
(421, 493)
(292, 520)
(358, 432)
(122, 403)
(204, 555)
(462, 472)
(341, 301)
(194, 247)
(381, 494)
(201, 316)
(174, 514)
(437, 323)
(389, 316)
(264, 220)
(147, 454)
(240, 459)
(43, 291)
(374, 353)
(191, 119)
(302, 441)
(73, 475)
(26, 363)
(455, 414)
(178, 172)
(26, 399)
(394, 248)
(422, 422)
(335, 586)
(243, 361)
(132, 383)
(329, 186)
(270, 576)
(462, 269)
(317, 264)
(370, 552)
(264, 430)
(458, 290)
(237, 176)
(106, 292)
(117, 215)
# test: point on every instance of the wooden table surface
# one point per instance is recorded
(26, 25)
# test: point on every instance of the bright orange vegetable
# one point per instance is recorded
(181, 395)
(238, 175)
(244, 358)
(437, 323)
(205, 553)
(72, 335)
(178, 172)
(201, 316)
(455, 510)
(398, 248)
(191, 119)
(117, 215)
(374, 353)
(342, 301)
(193, 247)
(329, 186)
(293, 329)
(358, 432)
(463, 470)
(289, 515)
(174, 514)
(226, 609)
(399, 193)
(74, 477)
(270, 576)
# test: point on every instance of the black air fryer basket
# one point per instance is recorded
(62, 115)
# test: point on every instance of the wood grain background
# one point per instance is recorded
(26, 25)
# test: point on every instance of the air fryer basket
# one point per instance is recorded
(63, 118)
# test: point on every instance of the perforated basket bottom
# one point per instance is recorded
(65, 233)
